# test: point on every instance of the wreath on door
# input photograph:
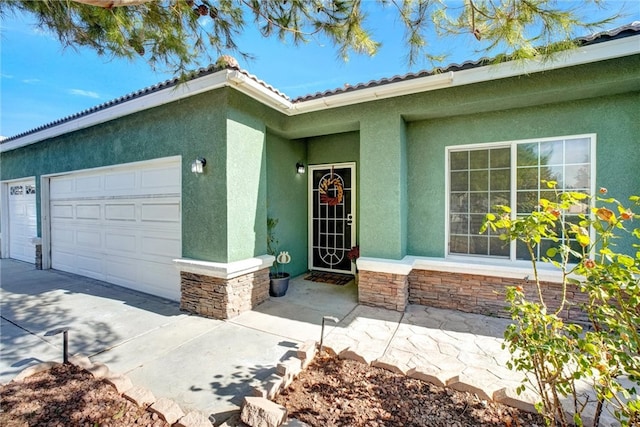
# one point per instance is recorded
(328, 182)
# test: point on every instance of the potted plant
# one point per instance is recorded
(278, 278)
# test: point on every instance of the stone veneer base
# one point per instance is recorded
(386, 290)
(223, 298)
(471, 293)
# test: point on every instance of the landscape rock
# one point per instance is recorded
(194, 419)
(260, 412)
(120, 382)
(140, 396)
(80, 361)
(167, 409)
(99, 370)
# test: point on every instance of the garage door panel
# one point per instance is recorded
(120, 212)
(62, 236)
(90, 266)
(124, 270)
(88, 184)
(156, 277)
(61, 187)
(84, 211)
(61, 211)
(167, 179)
(122, 225)
(121, 242)
(157, 246)
(65, 260)
(164, 212)
(88, 238)
(125, 180)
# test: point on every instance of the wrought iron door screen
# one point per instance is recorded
(332, 226)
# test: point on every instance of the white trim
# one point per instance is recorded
(149, 162)
(45, 221)
(224, 270)
(406, 87)
(144, 102)
(231, 78)
(520, 270)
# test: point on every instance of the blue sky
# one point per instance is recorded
(42, 82)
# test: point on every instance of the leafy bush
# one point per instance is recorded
(561, 356)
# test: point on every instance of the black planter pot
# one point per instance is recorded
(278, 284)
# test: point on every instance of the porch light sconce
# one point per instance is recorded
(300, 167)
(198, 165)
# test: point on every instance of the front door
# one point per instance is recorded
(332, 228)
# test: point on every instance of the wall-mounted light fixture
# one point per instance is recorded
(300, 167)
(198, 165)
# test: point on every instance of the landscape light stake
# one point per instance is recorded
(334, 320)
(65, 341)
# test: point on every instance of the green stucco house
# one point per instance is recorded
(168, 190)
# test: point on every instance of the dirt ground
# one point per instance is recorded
(331, 392)
(69, 396)
(334, 392)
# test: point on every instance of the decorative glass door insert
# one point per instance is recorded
(332, 228)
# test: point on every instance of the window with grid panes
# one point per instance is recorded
(511, 174)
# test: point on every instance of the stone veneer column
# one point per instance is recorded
(222, 298)
(38, 256)
(223, 291)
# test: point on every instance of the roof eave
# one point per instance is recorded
(255, 89)
(583, 55)
(155, 99)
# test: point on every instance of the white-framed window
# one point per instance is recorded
(481, 176)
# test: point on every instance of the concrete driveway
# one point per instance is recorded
(202, 364)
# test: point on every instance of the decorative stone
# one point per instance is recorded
(99, 370)
(81, 361)
(167, 409)
(508, 396)
(35, 369)
(195, 419)
(468, 384)
(389, 365)
(260, 412)
(289, 370)
(273, 384)
(120, 382)
(140, 396)
(306, 352)
(435, 377)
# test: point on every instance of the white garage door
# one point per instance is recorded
(22, 220)
(121, 225)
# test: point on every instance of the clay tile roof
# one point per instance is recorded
(616, 33)
(228, 64)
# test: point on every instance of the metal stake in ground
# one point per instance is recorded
(324, 318)
(65, 341)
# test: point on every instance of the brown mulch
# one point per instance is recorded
(69, 396)
(335, 392)
(330, 392)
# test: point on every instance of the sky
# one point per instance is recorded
(41, 82)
